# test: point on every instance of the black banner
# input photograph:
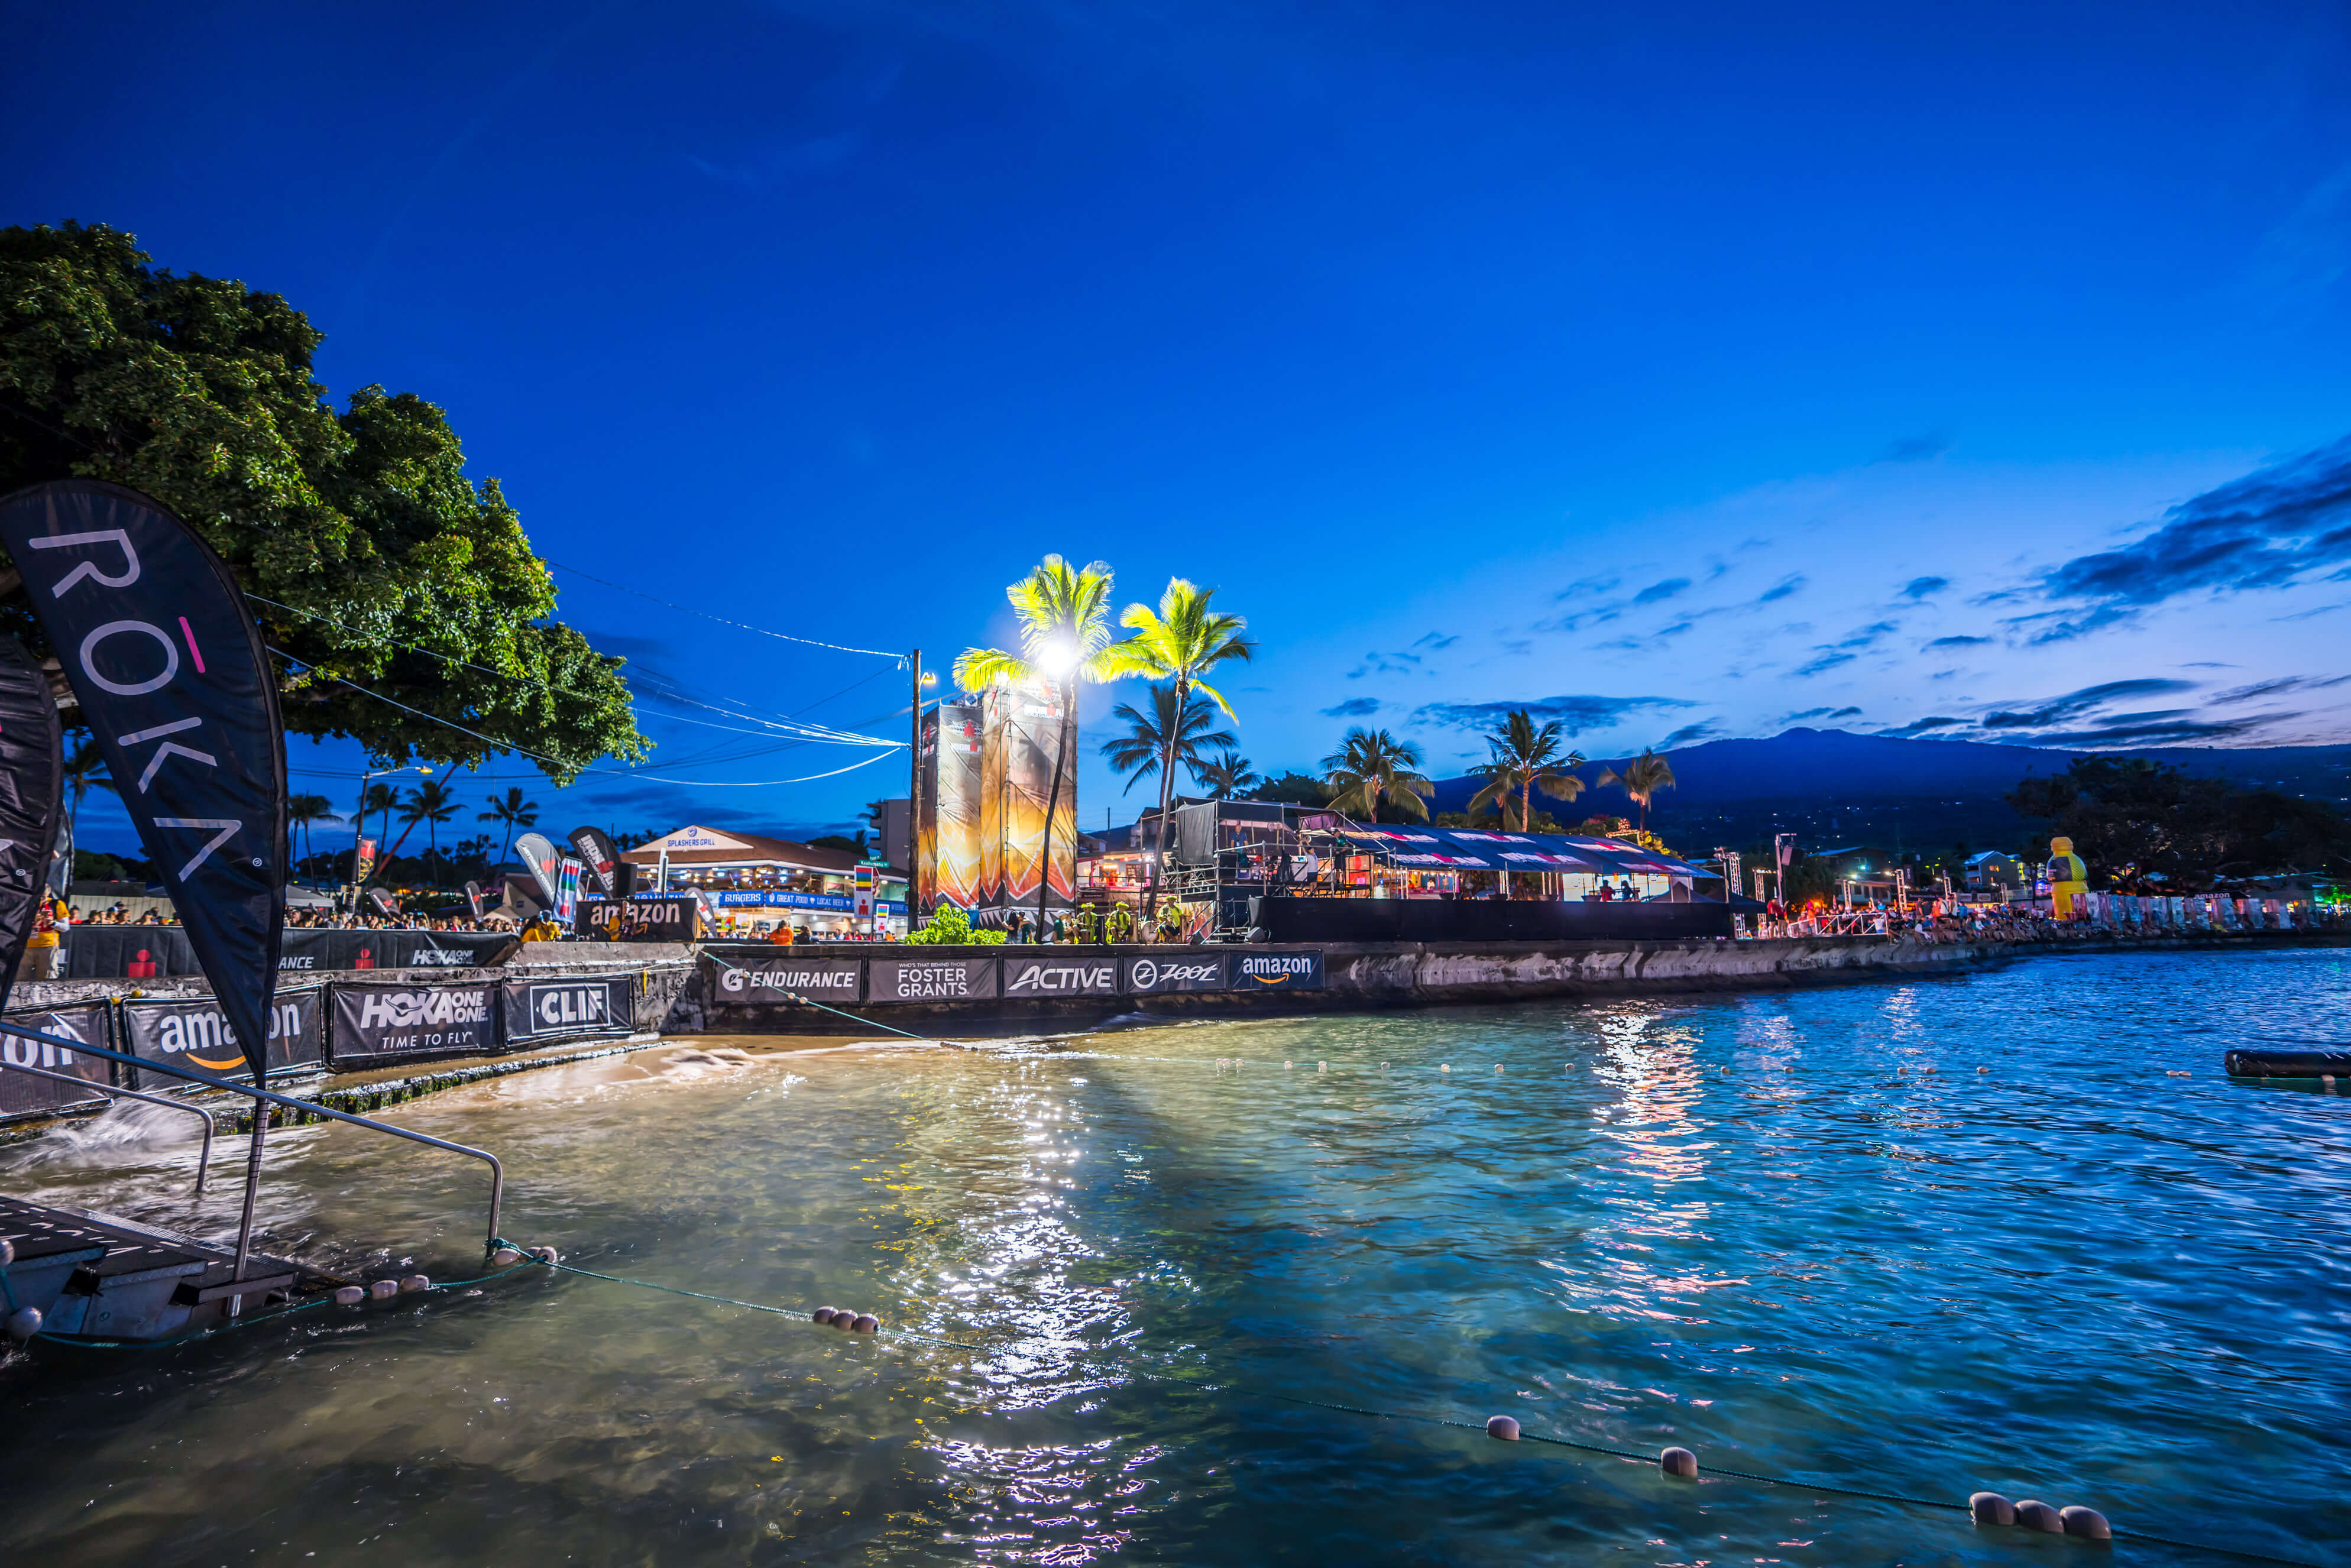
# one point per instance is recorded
(761, 979)
(674, 917)
(21, 1094)
(1025, 977)
(559, 1008)
(158, 646)
(373, 1025)
(474, 899)
(32, 770)
(601, 856)
(929, 979)
(541, 859)
(1278, 971)
(193, 1032)
(1181, 969)
(152, 951)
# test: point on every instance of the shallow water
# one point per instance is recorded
(1915, 1238)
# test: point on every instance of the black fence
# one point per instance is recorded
(153, 952)
(759, 976)
(1483, 920)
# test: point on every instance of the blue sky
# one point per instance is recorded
(1683, 372)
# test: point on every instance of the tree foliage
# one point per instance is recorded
(1151, 737)
(1525, 757)
(2130, 818)
(1371, 767)
(387, 568)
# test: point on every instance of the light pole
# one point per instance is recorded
(914, 788)
(360, 817)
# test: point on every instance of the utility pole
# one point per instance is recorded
(914, 792)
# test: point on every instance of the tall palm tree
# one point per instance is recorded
(1179, 643)
(301, 811)
(1151, 737)
(1642, 778)
(430, 803)
(1525, 757)
(1372, 766)
(85, 770)
(1065, 637)
(1227, 776)
(383, 798)
(515, 812)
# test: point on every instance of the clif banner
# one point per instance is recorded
(565, 1009)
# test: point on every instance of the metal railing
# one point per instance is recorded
(311, 1107)
(204, 1164)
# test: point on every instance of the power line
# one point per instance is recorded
(723, 621)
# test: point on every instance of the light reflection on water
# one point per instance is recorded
(1919, 1238)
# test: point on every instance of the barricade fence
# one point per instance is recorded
(759, 976)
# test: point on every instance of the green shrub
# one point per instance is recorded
(952, 927)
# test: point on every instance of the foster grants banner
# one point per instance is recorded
(930, 979)
(567, 1008)
(373, 1024)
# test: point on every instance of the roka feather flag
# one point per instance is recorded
(32, 778)
(174, 682)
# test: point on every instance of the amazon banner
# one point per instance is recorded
(378, 1026)
(22, 1095)
(670, 918)
(539, 1010)
(930, 979)
(1186, 971)
(1278, 971)
(194, 1033)
(761, 979)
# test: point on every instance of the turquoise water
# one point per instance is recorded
(1921, 1238)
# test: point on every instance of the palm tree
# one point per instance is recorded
(301, 811)
(1065, 637)
(381, 798)
(514, 811)
(431, 804)
(1153, 737)
(1372, 766)
(1642, 778)
(1525, 757)
(1228, 776)
(1179, 643)
(85, 770)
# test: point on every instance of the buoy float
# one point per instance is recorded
(1502, 1426)
(384, 1289)
(865, 1322)
(504, 1256)
(1679, 1462)
(1444, 1067)
(7, 1252)
(2034, 1514)
(415, 1283)
(2086, 1523)
(842, 1319)
(546, 1254)
(822, 1316)
(24, 1323)
(350, 1296)
(1990, 1508)
(1285, 1065)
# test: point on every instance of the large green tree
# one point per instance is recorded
(2131, 818)
(373, 561)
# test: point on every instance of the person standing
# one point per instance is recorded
(43, 945)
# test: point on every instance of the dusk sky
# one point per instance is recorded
(1679, 372)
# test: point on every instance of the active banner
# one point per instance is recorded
(761, 979)
(194, 1033)
(930, 979)
(1025, 977)
(375, 1024)
(566, 1007)
(21, 1094)
(1186, 971)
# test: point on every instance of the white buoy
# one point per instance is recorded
(415, 1283)
(2034, 1514)
(350, 1296)
(504, 1256)
(1444, 1067)
(7, 1252)
(822, 1316)
(1502, 1426)
(384, 1289)
(865, 1322)
(2086, 1523)
(1990, 1508)
(1498, 1067)
(1679, 1462)
(1321, 1066)
(24, 1323)
(545, 1254)
(1285, 1066)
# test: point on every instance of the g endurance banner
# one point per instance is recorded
(371, 1025)
(32, 770)
(193, 1032)
(567, 1008)
(21, 1094)
(929, 979)
(761, 979)
(158, 646)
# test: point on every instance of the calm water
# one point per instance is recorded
(1923, 1237)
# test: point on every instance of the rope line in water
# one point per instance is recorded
(801, 1314)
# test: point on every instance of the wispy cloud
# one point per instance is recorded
(1354, 707)
(1576, 714)
(1959, 642)
(2073, 705)
(1658, 592)
(1924, 587)
(1914, 448)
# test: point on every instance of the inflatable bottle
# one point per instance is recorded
(2068, 880)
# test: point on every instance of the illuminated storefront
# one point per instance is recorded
(755, 883)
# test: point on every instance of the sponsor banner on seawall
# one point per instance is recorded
(1026, 976)
(374, 1025)
(21, 1094)
(673, 917)
(566, 1009)
(1278, 971)
(761, 979)
(930, 979)
(152, 951)
(1180, 971)
(194, 1033)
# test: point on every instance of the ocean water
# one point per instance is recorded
(2010, 1230)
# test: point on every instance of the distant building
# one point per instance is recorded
(1993, 872)
(1857, 862)
(758, 882)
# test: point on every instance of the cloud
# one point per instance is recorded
(1959, 642)
(1831, 713)
(1914, 448)
(1378, 663)
(1575, 714)
(1586, 588)
(1924, 587)
(1870, 633)
(2156, 729)
(1434, 642)
(1354, 707)
(2076, 704)
(1690, 734)
(2262, 689)
(1658, 592)
(1821, 664)
(1780, 589)
(2267, 530)
(1921, 726)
